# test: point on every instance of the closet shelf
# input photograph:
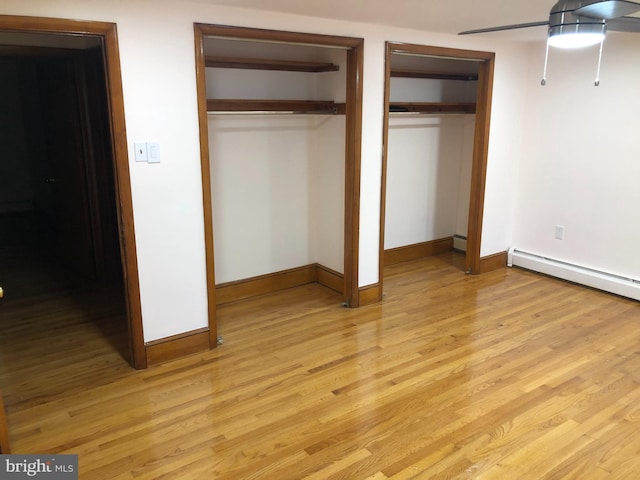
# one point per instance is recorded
(407, 73)
(432, 107)
(268, 64)
(326, 107)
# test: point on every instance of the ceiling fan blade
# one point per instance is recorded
(505, 27)
(608, 9)
(624, 24)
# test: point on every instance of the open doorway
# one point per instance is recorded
(436, 128)
(66, 212)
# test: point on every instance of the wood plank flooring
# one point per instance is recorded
(508, 375)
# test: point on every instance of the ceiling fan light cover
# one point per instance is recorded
(576, 36)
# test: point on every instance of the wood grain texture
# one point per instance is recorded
(433, 107)
(271, 282)
(330, 278)
(269, 64)
(385, 160)
(407, 253)
(296, 106)
(496, 376)
(205, 170)
(4, 434)
(370, 294)
(493, 262)
(278, 36)
(177, 346)
(412, 73)
(480, 161)
(353, 153)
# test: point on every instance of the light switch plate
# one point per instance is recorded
(153, 151)
(141, 151)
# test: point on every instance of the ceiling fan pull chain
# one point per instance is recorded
(546, 61)
(597, 82)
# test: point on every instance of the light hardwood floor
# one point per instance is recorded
(508, 375)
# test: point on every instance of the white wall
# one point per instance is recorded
(158, 74)
(277, 184)
(431, 90)
(260, 176)
(464, 176)
(580, 160)
(234, 83)
(326, 189)
(424, 172)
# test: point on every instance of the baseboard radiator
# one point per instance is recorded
(609, 282)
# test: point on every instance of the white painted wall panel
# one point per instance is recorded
(260, 189)
(423, 177)
(252, 84)
(464, 176)
(579, 164)
(277, 186)
(326, 180)
(431, 90)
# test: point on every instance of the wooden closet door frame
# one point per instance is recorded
(353, 112)
(108, 34)
(480, 143)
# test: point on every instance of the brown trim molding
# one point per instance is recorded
(329, 278)
(177, 346)
(353, 112)
(268, 283)
(276, 281)
(493, 262)
(370, 294)
(407, 253)
(479, 164)
(124, 202)
(248, 33)
(385, 154)
(205, 169)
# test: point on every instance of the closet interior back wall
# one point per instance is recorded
(278, 193)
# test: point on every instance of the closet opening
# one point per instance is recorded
(436, 130)
(280, 116)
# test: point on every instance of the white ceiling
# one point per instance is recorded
(446, 16)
